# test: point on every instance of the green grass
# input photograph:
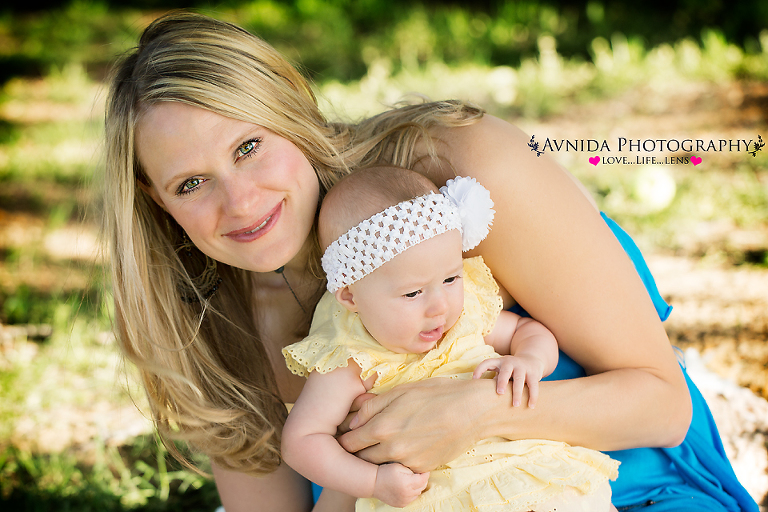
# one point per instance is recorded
(135, 477)
(73, 371)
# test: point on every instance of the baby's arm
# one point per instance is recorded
(533, 350)
(309, 445)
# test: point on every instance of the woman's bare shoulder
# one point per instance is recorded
(467, 148)
(496, 153)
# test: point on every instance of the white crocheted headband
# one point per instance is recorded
(464, 205)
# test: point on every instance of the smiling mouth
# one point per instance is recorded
(254, 232)
(259, 226)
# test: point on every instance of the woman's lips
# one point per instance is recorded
(259, 228)
(433, 335)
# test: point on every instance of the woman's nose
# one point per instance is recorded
(239, 195)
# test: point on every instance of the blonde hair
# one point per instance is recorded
(204, 368)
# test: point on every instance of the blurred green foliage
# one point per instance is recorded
(340, 38)
(135, 477)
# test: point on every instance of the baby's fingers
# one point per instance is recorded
(485, 366)
(419, 482)
(505, 373)
(517, 390)
(533, 393)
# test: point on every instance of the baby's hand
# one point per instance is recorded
(397, 486)
(523, 369)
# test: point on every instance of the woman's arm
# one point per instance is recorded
(551, 250)
(282, 491)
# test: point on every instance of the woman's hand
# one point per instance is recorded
(422, 424)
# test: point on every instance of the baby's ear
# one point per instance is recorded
(345, 298)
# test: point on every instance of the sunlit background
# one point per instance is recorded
(71, 436)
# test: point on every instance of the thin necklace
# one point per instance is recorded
(281, 271)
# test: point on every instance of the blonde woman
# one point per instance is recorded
(217, 158)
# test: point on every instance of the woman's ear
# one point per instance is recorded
(345, 298)
(151, 192)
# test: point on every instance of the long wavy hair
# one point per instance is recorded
(204, 368)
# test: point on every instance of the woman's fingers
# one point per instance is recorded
(421, 425)
(369, 406)
(356, 405)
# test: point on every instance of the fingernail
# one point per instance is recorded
(354, 422)
(515, 403)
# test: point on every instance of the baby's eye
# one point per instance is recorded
(452, 279)
(411, 295)
(189, 186)
(248, 148)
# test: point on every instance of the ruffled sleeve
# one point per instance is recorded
(482, 299)
(335, 337)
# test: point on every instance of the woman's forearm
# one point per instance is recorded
(615, 410)
(425, 424)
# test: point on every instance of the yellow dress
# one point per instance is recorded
(496, 474)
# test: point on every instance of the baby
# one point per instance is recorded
(402, 305)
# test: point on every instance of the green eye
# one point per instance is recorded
(189, 186)
(248, 147)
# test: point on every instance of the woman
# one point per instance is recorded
(217, 158)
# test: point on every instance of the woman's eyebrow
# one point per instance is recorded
(248, 132)
(169, 184)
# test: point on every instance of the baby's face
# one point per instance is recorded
(408, 303)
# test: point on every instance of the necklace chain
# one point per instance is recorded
(281, 271)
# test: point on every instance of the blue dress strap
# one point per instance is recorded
(316, 490)
(662, 308)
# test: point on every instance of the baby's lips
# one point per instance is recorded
(433, 335)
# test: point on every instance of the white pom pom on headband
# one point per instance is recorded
(464, 205)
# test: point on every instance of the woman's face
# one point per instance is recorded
(244, 195)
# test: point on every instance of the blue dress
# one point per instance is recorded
(693, 477)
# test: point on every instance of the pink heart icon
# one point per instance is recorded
(695, 160)
(596, 160)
